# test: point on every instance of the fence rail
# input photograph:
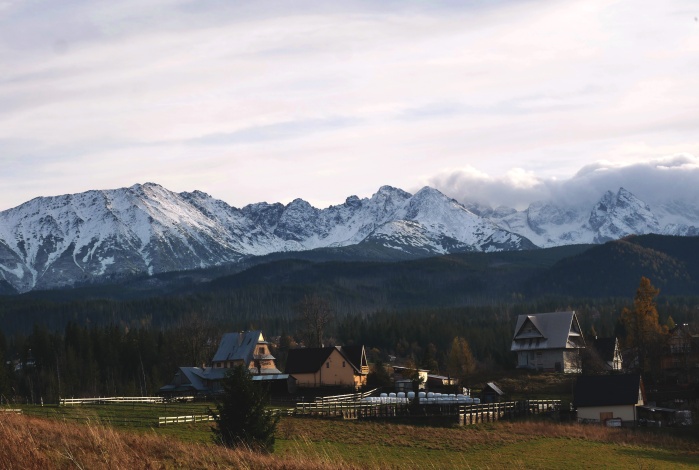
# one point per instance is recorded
(489, 412)
(103, 400)
(165, 420)
(348, 397)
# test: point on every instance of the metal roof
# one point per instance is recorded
(553, 331)
(238, 346)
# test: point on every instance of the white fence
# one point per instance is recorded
(165, 420)
(104, 400)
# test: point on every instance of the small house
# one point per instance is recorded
(549, 342)
(328, 366)
(492, 393)
(600, 398)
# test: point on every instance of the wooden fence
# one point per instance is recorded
(165, 420)
(105, 400)
(466, 414)
(489, 412)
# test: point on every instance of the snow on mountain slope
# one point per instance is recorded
(614, 216)
(95, 236)
(52, 242)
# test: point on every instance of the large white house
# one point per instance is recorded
(548, 341)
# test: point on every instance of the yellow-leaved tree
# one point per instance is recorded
(643, 332)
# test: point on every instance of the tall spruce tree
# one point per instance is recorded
(240, 415)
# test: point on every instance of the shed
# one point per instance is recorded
(599, 398)
(492, 393)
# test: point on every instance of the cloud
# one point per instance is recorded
(655, 181)
(271, 100)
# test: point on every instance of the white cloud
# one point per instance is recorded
(661, 179)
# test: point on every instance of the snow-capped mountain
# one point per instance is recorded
(614, 216)
(99, 236)
(94, 236)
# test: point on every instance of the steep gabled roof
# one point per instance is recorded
(238, 346)
(550, 331)
(607, 390)
(307, 360)
(605, 347)
(356, 355)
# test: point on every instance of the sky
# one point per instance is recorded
(499, 102)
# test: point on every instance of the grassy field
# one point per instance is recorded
(316, 443)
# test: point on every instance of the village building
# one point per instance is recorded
(608, 352)
(600, 398)
(549, 342)
(680, 356)
(248, 349)
(492, 393)
(328, 366)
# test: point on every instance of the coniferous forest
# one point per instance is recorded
(108, 340)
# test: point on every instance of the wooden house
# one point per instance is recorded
(328, 366)
(680, 356)
(247, 348)
(548, 341)
(599, 398)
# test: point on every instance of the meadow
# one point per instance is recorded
(127, 436)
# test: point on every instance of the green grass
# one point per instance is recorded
(367, 444)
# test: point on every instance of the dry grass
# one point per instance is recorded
(34, 443)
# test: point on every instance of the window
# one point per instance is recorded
(343, 363)
(327, 365)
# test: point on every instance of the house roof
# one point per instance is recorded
(607, 390)
(605, 347)
(306, 360)
(238, 346)
(494, 387)
(552, 330)
(356, 355)
(309, 360)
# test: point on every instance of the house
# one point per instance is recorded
(404, 376)
(608, 351)
(599, 398)
(680, 356)
(492, 393)
(548, 341)
(328, 366)
(247, 348)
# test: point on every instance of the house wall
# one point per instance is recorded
(336, 370)
(592, 413)
(551, 360)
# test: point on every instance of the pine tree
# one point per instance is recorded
(240, 415)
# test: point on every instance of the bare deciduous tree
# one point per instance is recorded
(314, 314)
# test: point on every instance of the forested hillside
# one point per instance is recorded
(87, 341)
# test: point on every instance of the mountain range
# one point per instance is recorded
(104, 236)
